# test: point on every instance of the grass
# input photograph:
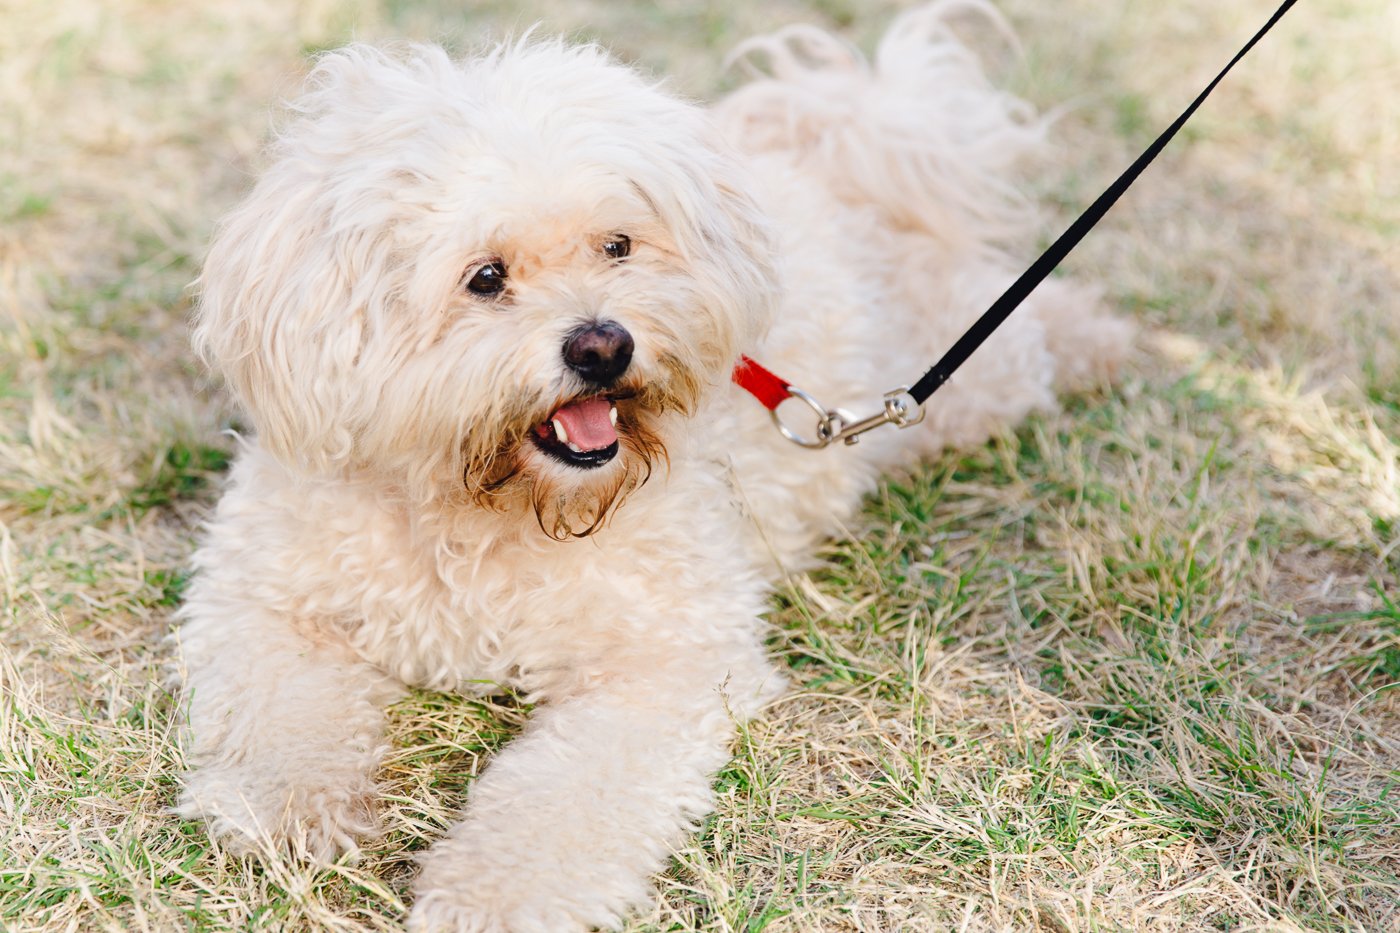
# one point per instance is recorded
(1131, 667)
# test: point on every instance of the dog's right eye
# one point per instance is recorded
(489, 280)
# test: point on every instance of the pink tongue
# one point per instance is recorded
(588, 423)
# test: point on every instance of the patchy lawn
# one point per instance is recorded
(1132, 667)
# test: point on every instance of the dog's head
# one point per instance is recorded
(507, 279)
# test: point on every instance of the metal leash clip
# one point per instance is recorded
(836, 424)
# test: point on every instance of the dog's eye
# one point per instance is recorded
(489, 280)
(618, 247)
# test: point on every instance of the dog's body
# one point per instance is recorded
(406, 514)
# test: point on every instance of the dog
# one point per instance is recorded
(482, 316)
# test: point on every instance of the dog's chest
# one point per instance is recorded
(472, 609)
(439, 613)
(479, 607)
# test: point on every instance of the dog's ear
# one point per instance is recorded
(296, 274)
(741, 241)
(704, 194)
(277, 317)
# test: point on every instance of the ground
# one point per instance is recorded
(1131, 667)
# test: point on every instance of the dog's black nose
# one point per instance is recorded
(600, 352)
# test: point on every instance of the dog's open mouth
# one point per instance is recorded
(582, 433)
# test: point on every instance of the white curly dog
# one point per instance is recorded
(483, 316)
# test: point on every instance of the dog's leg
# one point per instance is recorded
(285, 731)
(564, 828)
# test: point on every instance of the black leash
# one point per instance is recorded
(835, 424)
(992, 318)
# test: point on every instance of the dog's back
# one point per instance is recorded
(894, 187)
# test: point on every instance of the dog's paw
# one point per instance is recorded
(481, 908)
(472, 884)
(458, 912)
(312, 818)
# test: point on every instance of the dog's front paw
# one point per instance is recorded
(481, 906)
(478, 908)
(482, 885)
(311, 816)
(461, 912)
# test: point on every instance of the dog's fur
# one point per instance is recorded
(393, 523)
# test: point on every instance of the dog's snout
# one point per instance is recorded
(599, 352)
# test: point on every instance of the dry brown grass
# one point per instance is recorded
(1132, 667)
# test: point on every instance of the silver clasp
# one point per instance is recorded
(837, 424)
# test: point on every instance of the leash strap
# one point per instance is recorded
(836, 424)
(992, 318)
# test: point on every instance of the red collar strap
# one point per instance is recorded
(760, 383)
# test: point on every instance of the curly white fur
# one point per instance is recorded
(840, 221)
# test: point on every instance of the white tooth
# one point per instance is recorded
(576, 448)
(612, 415)
(559, 431)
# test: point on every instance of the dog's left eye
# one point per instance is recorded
(618, 247)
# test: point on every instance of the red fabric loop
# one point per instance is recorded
(760, 383)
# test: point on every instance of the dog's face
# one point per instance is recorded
(508, 278)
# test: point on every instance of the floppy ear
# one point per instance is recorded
(704, 192)
(275, 319)
(741, 241)
(300, 269)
